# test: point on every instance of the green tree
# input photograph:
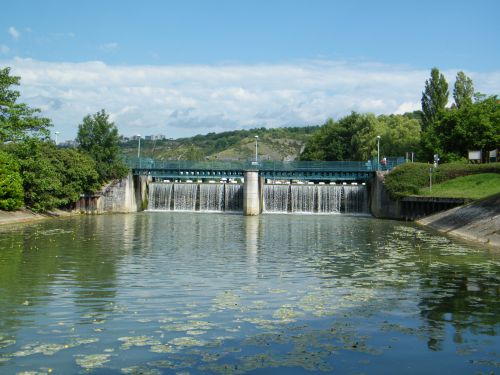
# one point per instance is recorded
(434, 98)
(79, 174)
(98, 137)
(41, 175)
(53, 177)
(11, 184)
(17, 120)
(471, 127)
(463, 91)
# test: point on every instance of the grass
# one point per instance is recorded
(413, 178)
(470, 187)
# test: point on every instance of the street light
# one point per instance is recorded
(56, 133)
(378, 152)
(139, 147)
(256, 149)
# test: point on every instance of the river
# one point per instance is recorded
(179, 293)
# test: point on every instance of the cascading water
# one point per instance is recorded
(323, 199)
(329, 199)
(303, 198)
(211, 197)
(192, 197)
(276, 198)
(160, 196)
(233, 201)
(185, 197)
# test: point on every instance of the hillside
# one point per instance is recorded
(274, 144)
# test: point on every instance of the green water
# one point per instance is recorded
(174, 293)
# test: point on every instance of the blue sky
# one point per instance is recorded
(187, 67)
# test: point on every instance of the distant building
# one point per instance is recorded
(156, 137)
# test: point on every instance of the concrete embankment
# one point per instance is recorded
(25, 216)
(479, 221)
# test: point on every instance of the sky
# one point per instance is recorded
(181, 68)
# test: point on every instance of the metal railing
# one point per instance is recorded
(318, 166)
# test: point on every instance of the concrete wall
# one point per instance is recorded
(381, 203)
(121, 196)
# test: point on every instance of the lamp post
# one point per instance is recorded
(139, 146)
(378, 152)
(256, 149)
(56, 133)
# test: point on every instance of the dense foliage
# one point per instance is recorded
(354, 137)
(11, 184)
(475, 126)
(434, 97)
(53, 177)
(98, 138)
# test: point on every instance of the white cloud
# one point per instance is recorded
(4, 49)
(183, 100)
(14, 33)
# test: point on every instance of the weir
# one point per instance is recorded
(306, 187)
(195, 197)
(276, 198)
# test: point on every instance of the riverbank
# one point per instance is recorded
(478, 221)
(25, 216)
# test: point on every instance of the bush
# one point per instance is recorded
(11, 183)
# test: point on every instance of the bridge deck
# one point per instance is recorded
(310, 170)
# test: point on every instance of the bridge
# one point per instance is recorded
(275, 170)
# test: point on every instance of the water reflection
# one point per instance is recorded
(229, 294)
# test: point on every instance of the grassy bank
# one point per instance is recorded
(454, 180)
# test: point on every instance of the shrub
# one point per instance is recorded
(11, 183)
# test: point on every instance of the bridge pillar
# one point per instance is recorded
(251, 194)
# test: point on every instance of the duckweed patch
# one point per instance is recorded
(92, 361)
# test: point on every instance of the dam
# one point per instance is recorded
(254, 188)
(273, 198)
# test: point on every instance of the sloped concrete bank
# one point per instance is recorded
(479, 221)
(26, 216)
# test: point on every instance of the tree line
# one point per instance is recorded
(37, 174)
(472, 122)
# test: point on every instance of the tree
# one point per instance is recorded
(53, 177)
(463, 91)
(472, 127)
(434, 98)
(11, 184)
(98, 137)
(17, 120)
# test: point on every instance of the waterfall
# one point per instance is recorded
(185, 197)
(160, 196)
(329, 199)
(322, 199)
(211, 197)
(276, 198)
(195, 197)
(303, 198)
(233, 198)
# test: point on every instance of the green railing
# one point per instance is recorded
(319, 166)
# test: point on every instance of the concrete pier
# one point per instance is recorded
(251, 194)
